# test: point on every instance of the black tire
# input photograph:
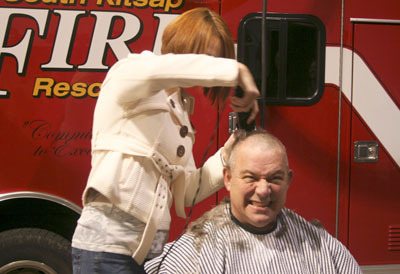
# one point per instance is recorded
(32, 250)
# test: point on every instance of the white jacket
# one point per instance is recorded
(135, 117)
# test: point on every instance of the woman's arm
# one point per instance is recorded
(203, 182)
(141, 75)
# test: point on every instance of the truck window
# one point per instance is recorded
(294, 56)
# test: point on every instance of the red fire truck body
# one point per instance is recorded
(344, 145)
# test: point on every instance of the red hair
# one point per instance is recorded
(196, 31)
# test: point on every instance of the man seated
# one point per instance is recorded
(254, 232)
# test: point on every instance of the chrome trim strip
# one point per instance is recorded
(43, 196)
(375, 21)
(339, 128)
(263, 63)
(381, 269)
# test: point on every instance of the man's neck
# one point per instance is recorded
(252, 229)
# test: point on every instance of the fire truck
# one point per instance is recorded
(329, 77)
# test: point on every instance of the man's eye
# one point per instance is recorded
(276, 179)
(249, 179)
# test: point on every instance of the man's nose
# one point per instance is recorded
(263, 188)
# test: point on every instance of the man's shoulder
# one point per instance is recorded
(292, 219)
(210, 220)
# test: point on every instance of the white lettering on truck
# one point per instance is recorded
(68, 24)
(62, 48)
(20, 50)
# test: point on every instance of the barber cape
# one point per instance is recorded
(219, 245)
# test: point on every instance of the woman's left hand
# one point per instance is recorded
(248, 101)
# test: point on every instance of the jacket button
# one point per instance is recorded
(172, 103)
(183, 131)
(180, 151)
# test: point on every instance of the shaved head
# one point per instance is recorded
(258, 139)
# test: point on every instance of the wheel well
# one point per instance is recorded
(38, 213)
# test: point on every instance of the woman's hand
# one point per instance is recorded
(226, 150)
(248, 101)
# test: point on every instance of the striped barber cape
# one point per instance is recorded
(222, 246)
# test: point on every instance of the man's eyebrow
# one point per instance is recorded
(245, 171)
(279, 171)
(248, 172)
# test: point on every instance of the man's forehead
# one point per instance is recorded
(262, 155)
(259, 146)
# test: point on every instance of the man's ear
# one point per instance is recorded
(227, 178)
(290, 177)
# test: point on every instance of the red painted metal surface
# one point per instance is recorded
(45, 138)
(374, 188)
